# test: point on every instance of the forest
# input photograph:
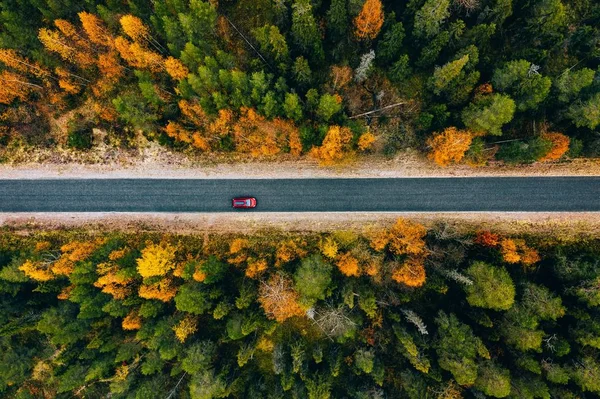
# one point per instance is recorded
(468, 81)
(398, 312)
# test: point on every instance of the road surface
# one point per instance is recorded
(499, 194)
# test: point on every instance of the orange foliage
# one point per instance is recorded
(341, 76)
(223, 124)
(66, 82)
(111, 282)
(186, 327)
(178, 132)
(515, 251)
(484, 89)
(255, 267)
(13, 60)
(487, 239)
(560, 145)
(335, 143)
(109, 66)
(449, 146)
(199, 275)
(194, 113)
(410, 273)
(365, 141)
(508, 248)
(176, 69)
(65, 293)
(139, 57)
(278, 299)
(256, 135)
(348, 265)
(72, 253)
(39, 271)
(379, 239)
(164, 290)
(407, 237)
(13, 86)
(287, 251)
(95, 29)
(370, 20)
(132, 321)
(117, 254)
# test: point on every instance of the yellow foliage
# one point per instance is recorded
(365, 141)
(132, 321)
(223, 124)
(156, 260)
(410, 273)
(255, 267)
(329, 247)
(185, 328)
(164, 290)
(42, 246)
(348, 265)
(278, 299)
(237, 245)
(265, 344)
(176, 69)
(334, 145)
(37, 270)
(407, 237)
(134, 27)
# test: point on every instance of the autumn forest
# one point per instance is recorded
(461, 80)
(398, 312)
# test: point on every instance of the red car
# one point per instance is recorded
(244, 202)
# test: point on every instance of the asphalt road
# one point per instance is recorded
(529, 194)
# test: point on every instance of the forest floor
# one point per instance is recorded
(563, 226)
(154, 161)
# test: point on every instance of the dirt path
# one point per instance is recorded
(158, 163)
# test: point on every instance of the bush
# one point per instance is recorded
(79, 133)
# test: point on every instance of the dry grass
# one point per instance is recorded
(565, 227)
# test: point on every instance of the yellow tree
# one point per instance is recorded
(95, 29)
(407, 238)
(132, 321)
(186, 327)
(278, 299)
(366, 141)
(176, 69)
(156, 260)
(14, 86)
(369, 21)
(449, 146)
(334, 145)
(139, 57)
